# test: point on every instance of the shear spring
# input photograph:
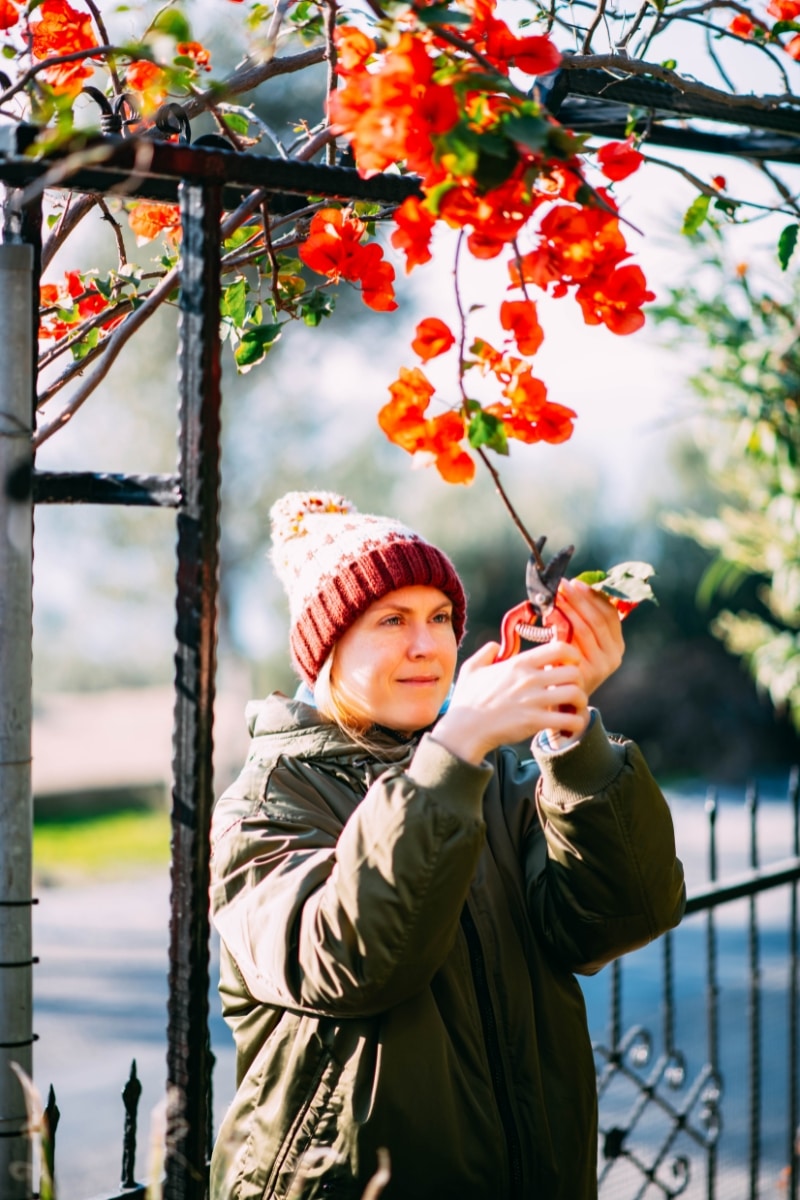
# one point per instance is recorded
(535, 633)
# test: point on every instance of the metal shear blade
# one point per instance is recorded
(531, 619)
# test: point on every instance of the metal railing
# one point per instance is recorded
(697, 1036)
(707, 1106)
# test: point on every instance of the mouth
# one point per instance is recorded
(420, 680)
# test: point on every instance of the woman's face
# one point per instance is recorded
(395, 664)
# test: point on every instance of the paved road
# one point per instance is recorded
(100, 1001)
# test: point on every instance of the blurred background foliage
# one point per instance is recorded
(714, 504)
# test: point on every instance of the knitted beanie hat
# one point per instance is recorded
(334, 562)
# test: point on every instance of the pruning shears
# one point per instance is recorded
(537, 619)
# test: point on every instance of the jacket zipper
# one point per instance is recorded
(492, 1040)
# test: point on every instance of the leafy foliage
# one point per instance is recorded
(750, 389)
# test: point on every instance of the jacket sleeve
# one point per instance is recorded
(601, 874)
(347, 921)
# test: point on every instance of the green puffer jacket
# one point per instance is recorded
(398, 942)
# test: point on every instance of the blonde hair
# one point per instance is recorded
(332, 704)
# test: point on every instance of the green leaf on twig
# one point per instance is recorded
(786, 244)
(255, 345)
(696, 214)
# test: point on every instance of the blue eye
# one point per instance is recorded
(443, 618)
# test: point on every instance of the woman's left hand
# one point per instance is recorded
(596, 631)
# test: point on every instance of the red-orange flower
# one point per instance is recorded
(520, 318)
(618, 160)
(792, 47)
(719, 182)
(393, 114)
(404, 422)
(414, 228)
(61, 29)
(742, 26)
(616, 299)
(148, 220)
(149, 81)
(77, 298)
(433, 337)
(9, 14)
(197, 52)
(784, 10)
(535, 55)
(354, 48)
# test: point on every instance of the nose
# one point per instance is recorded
(422, 641)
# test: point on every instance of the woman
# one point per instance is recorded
(402, 903)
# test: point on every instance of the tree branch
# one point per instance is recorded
(37, 68)
(112, 347)
(590, 32)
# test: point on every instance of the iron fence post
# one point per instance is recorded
(17, 268)
(188, 1053)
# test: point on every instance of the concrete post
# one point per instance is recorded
(16, 806)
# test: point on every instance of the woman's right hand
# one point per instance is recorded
(511, 701)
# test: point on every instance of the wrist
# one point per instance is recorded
(461, 732)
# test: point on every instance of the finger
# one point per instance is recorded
(553, 653)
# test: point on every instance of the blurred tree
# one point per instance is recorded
(750, 392)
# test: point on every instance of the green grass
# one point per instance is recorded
(102, 845)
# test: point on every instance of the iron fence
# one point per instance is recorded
(695, 1037)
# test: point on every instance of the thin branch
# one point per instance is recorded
(512, 512)
(330, 26)
(79, 332)
(112, 348)
(590, 32)
(101, 29)
(462, 319)
(635, 24)
(75, 210)
(534, 549)
(37, 68)
(709, 190)
(459, 43)
(122, 254)
(781, 188)
(248, 77)
(712, 54)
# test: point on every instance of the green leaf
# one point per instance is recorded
(786, 244)
(10, 52)
(528, 130)
(591, 577)
(234, 301)
(82, 348)
(236, 122)
(696, 214)
(670, 64)
(785, 27)
(255, 345)
(487, 430)
(318, 305)
(440, 14)
(172, 22)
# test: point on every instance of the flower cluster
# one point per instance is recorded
(65, 305)
(784, 12)
(336, 247)
(60, 30)
(439, 100)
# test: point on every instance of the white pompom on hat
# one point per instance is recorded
(334, 562)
